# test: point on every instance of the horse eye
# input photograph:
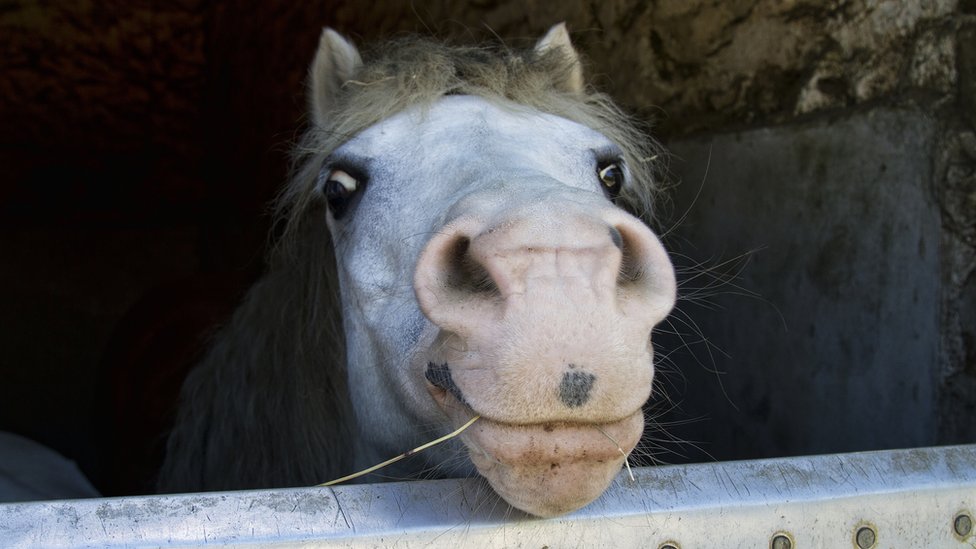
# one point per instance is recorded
(612, 177)
(340, 184)
(338, 188)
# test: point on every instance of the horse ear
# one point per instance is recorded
(557, 39)
(336, 61)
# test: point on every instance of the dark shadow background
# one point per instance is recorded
(141, 143)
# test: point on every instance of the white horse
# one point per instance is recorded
(470, 205)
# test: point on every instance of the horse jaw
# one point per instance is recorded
(546, 469)
(550, 470)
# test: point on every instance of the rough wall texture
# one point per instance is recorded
(141, 142)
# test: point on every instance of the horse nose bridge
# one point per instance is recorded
(530, 256)
(470, 268)
(563, 258)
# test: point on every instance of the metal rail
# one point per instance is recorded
(917, 498)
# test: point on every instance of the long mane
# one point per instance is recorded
(267, 406)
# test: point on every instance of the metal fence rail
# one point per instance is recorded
(922, 498)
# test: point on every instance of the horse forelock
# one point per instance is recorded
(418, 71)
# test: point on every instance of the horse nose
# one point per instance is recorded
(472, 273)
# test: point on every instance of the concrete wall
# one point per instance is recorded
(827, 338)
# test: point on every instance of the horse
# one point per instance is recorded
(465, 234)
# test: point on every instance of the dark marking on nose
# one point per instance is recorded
(617, 238)
(439, 375)
(574, 389)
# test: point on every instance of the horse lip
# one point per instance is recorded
(556, 442)
(600, 443)
(441, 384)
(522, 462)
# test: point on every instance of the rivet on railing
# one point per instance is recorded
(781, 540)
(865, 537)
(963, 525)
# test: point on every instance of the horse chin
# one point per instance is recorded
(551, 469)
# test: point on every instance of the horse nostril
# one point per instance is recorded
(465, 275)
(454, 290)
(631, 264)
(617, 238)
(574, 389)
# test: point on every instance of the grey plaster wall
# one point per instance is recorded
(811, 261)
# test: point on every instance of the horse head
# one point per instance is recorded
(486, 266)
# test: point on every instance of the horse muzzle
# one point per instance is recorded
(544, 316)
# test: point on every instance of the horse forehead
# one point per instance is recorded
(474, 125)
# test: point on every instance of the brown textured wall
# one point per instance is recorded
(141, 142)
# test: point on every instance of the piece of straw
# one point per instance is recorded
(621, 450)
(421, 448)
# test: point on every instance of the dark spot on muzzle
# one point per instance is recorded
(574, 389)
(439, 375)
